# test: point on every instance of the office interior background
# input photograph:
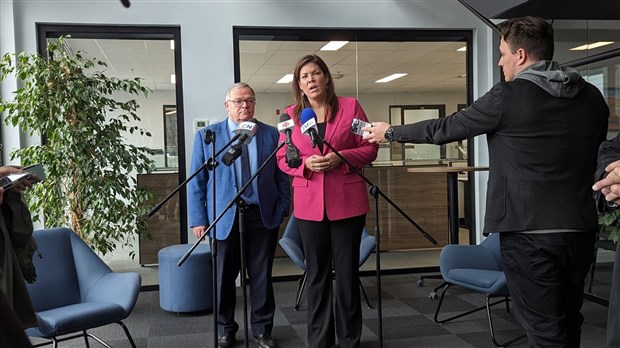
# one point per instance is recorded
(188, 53)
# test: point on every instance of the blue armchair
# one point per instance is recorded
(75, 290)
(291, 244)
(478, 268)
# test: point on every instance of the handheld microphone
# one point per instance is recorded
(308, 125)
(292, 153)
(245, 132)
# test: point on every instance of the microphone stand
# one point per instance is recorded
(210, 164)
(241, 206)
(210, 139)
(375, 191)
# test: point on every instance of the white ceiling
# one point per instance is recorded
(431, 66)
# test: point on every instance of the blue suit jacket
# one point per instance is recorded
(274, 193)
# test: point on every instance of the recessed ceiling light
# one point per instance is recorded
(591, 46)
(173, 79)
(286, 78)
(334, 45)
(171, 44)
(462, 49)
(391, 77)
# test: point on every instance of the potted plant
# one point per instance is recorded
(610, 226)
(90, 184)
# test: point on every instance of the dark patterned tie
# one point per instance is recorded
(245, 169)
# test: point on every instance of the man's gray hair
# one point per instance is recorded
(239, 85)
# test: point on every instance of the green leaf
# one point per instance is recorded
(90, 169)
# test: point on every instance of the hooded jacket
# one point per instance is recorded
(543, 130)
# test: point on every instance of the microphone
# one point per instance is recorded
(232, 154)
(126, 3)
(245, 132)
(308, 125)
(292, 153)
(208, 136)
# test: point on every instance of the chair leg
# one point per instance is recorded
(86, 335)
(133, 344)
(86, 339)
(365, 295)
(488, 307)
(97, 339)
(300, 289)
(443, 294)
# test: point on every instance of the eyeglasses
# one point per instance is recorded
(239, 102)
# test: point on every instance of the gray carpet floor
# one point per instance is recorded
(407, 313)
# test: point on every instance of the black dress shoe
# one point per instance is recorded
(265, 341)
(226, 341)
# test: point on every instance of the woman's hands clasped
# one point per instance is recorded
(318, 163)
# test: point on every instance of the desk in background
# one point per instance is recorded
(453, 199)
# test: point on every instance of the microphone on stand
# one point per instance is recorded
(245, 132)
(292, 152)
(308, 126)
(209, 136)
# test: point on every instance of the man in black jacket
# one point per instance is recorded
(543, 125)
(608, 198)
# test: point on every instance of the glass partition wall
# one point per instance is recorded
(593, 48)
(432, 69)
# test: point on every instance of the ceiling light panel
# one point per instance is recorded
(334, 45)
(391, 77)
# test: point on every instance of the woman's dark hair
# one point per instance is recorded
(301, 101)
(533, 34)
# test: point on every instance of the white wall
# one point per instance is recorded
(207, 46)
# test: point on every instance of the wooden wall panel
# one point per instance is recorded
(423, 197)
(164, 225)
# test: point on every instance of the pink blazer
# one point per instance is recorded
(340, 192)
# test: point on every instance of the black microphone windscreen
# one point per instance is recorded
(284, 117)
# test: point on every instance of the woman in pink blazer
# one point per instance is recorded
(330, 203)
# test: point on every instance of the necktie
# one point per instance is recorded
(245, 169)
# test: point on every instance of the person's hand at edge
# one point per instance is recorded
(376, 133)
(610, 185)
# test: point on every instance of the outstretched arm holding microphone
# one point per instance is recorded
(531, 122)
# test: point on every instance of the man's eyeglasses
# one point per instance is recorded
(239, 102)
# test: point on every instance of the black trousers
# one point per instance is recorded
(334, 244)
(545, 274)
(260, 247)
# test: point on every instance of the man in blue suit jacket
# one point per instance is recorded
(267, 205)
